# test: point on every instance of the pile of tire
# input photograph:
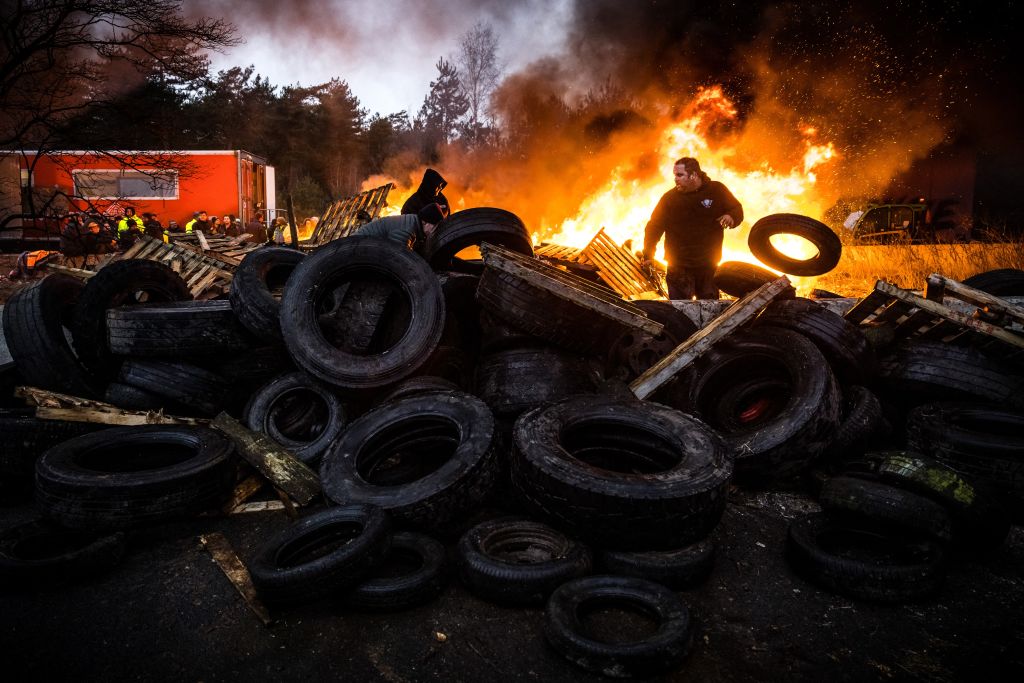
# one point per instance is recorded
(441, 405)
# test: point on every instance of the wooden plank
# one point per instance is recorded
(283, 469)
(979, 298)
(139, 245)
(245, 490)
(203, 244)
(197, 275)
(601, 303)
(934, 288)
(257, 506)
(865, 307)
(946, 313)
(738, 314)
(77, 272)
(224, 555)
(113, 416)
(204, 284)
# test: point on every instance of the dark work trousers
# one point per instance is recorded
(685, 282)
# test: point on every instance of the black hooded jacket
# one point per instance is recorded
(429, 192)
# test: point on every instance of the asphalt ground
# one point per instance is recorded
(167, 612)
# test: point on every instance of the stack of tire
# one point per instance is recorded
(890, 525)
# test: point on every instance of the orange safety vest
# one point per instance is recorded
(34, 257)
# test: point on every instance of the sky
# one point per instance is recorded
(385, 49)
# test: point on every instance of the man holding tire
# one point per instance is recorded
(693, 217)
(411, 230)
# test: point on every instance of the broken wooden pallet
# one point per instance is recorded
(614, 264)
(991, 326)
(344, 215)
(568, 287)
(204, 273)
(228, 249)
(701, 341)
(619, 268)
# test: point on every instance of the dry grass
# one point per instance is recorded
(907, 266)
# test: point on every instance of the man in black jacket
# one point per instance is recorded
(693, 217)
(429, 192)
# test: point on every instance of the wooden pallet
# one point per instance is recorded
(228, 249)
(342, 217)
(206, 274)
(614, 264)
(995, 324)
(569, 287)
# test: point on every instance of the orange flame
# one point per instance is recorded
(623, 206)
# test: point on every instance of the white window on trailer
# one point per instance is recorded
(127, 184)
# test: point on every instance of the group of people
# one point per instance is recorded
(692, 217)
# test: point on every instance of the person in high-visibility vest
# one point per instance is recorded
(199, 222)
(130, 225)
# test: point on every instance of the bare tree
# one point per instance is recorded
(479, 72)
(62, 58)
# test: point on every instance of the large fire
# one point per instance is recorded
(623, 207)
(624, 204)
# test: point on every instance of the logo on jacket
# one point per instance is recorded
(706, 203)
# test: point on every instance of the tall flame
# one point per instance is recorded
(623, 206)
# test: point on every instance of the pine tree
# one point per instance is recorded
(444, 105)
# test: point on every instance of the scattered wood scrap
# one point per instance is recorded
(205, 273)
(51, 405)
(283, 469)
(698, 344)
(224, 555)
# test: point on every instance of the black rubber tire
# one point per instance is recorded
(771, 394)
(517, 561)
(256, 287)
(513, 380)
(540, 313)
(677, 569)
(23, 438)
(621, 473)
(408, 589)
(923, 372)
(186, 385)
(1000, 282)
(634, 352)
(40, 553)
(330, 266)
(656, 653)
(184, 329)
(738, 278)
(130, 476)
(419, 385)
(309, 439)
(864, 563)
(133, 398)
(321, 555)
(978, 441)
(496, 334)
(850, 356)
(34, 319)
(830, 248)
(883, 505)
(135, 281)
(462, 309)
(473, 227)
(390, 457)
(979, 522)
(861, 421)
(253, 367)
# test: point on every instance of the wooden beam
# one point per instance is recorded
(698, 344)
(245, 490)
(946, 313)
(203, 244)
(224, 555)
(283, 469)
(977, 297)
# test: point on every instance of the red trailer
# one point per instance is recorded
(173, 184)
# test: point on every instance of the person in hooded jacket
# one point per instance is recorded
(429, 192)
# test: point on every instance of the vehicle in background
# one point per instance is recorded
(906, 223)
